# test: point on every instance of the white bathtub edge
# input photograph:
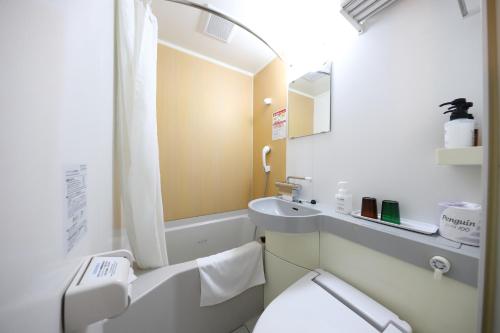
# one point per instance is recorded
(205, 218)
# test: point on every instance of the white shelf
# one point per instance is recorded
(460, 156)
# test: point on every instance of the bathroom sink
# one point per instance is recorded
(276, 214)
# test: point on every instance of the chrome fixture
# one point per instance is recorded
(298, 178)
(289, 189)
(358, 11)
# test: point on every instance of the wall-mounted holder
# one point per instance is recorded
(460, 156)
(463, 8)
(440, 265)
(99, 290)
(467, 11)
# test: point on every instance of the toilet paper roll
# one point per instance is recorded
(460, 222)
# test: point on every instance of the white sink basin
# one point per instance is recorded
(280, 215)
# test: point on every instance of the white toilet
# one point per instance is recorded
(320, 302)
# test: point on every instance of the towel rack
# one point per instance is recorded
(357, 12)
(463, 8)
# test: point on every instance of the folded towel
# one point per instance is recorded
(229, 273)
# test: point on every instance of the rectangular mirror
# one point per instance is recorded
(309, 103)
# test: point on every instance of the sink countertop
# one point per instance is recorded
(434, 240)
(409, 246)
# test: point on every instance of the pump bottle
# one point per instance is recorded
(343, 199)
(459, 131)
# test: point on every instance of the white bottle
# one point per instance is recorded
(459, 133)
(343, 199)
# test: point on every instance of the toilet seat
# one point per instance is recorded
(320, 302)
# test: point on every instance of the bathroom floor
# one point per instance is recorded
(248, 327)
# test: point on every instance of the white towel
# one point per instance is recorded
(229, 273)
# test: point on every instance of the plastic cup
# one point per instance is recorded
(390, 212)
(369, 207)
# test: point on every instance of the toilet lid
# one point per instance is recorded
(307, 307)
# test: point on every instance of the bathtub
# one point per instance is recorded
(197, 237)
(167, 299)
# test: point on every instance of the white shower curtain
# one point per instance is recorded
(137, 141)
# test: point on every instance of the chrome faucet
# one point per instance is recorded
(291, 189)
(309, 179)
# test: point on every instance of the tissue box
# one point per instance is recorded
(460, 222)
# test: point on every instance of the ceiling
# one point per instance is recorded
(180, 25)
(311, 88)
(313, 83)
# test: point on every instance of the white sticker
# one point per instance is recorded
(279, 124)
(75, 202)
(101, 268)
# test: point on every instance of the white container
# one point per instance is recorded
(460, 222)
(343, 199)
(100, 289)
(459, 133)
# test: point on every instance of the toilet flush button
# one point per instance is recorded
(441, 266)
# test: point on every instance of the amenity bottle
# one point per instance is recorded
(459, 131)
(343, 199)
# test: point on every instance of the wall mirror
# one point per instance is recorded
(309, 103)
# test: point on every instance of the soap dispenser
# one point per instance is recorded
(343, 199)
(459, 131)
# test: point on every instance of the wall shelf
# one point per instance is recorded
(460, 156)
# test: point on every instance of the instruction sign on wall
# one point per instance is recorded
(279, 124)
(75, 204)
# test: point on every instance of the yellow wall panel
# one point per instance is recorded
(269, 82)
(300, 115)
(205, 135)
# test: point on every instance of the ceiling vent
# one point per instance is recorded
(218, 27)
(324, 70)
(358, 11)
(313, 76)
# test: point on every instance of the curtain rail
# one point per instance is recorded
(226, 17)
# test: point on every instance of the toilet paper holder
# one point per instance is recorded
(99, 290)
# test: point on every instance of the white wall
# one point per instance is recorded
(386, 126)
(321, 113)
(386, 121)
(56, 107)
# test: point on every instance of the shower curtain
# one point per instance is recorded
(137, 141)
